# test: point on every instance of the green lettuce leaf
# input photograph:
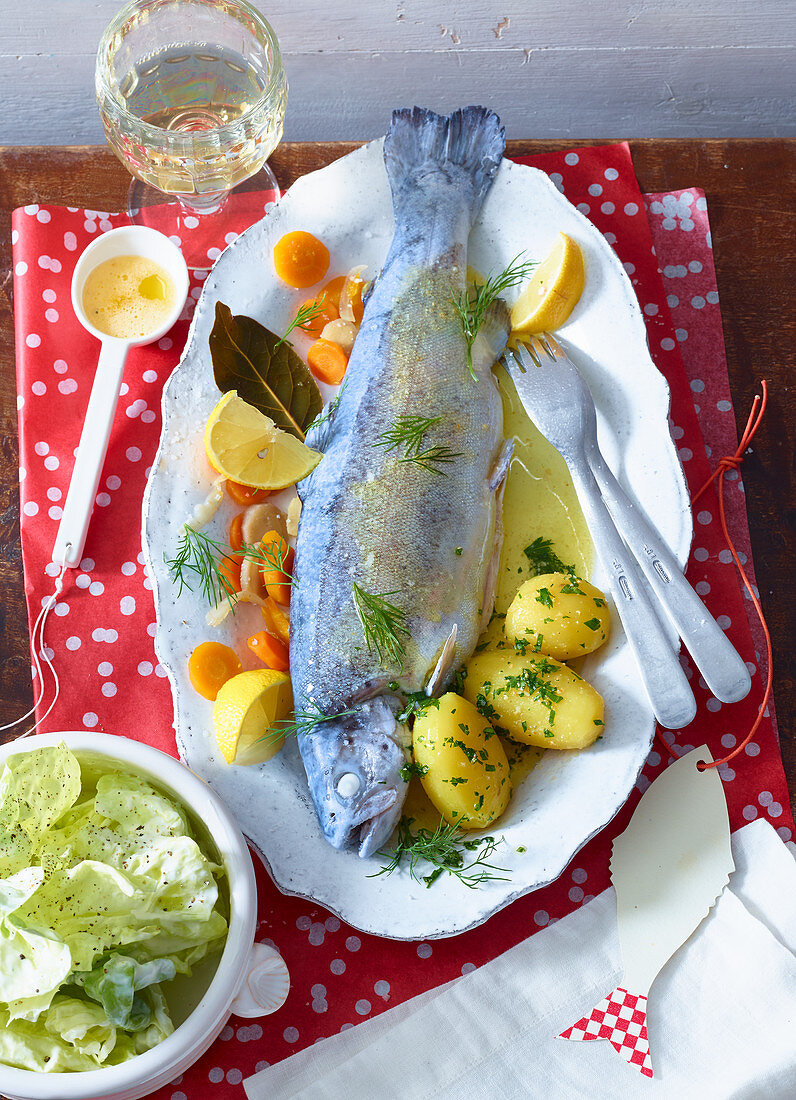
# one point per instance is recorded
(185, 945)
(16, 850)
(91, 907)
(27, 1045)
(104, 895)
(176, 880)
(83, 1025)
(33, 961)
(114, 982)
(131, 1043)
(136, 809)
(36, 788)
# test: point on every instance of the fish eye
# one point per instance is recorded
(348, 785)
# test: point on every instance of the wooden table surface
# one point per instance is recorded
(751, 189)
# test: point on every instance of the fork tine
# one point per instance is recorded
(540, 351)
(510, 359)
(525, 351)
(554, 349)
(543, 340)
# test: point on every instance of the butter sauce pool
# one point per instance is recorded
(539, 500)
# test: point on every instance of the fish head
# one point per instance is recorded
(353, 764)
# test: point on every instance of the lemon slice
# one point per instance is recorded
(553, 291)
(246, 710)
(246, 446)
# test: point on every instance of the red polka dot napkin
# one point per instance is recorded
(100, 634)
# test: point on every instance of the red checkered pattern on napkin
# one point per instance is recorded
(101, 635)
(621, 1018)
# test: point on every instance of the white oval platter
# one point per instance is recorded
(568, 797)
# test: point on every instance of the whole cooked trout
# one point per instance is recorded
(394, 556)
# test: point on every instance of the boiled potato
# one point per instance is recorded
(558, 615)
(462, 764)
(535, 699)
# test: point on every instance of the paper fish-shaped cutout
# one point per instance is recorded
(668, 868)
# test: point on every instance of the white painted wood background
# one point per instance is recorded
(551, 68)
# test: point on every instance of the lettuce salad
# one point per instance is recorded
(104, 896)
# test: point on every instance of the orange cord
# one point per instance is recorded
(732, 462)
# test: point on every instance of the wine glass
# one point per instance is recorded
(192, 97)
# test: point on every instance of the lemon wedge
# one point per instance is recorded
(246, 710)
(246, 446)
(553, 292)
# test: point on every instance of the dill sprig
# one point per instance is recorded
(383, 623)
(273, 556)
(472, 305)
(331, 408)
(409, 432)
(201, 556)
(310, 311)
(446, 850)
(303, 721)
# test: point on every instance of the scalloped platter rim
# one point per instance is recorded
(569, 796)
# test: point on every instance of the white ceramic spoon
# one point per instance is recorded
(133, 240)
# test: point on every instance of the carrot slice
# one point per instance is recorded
(246, 494)
(271, 651)
(235, 534)
(332, 291)
(276, 621)
(210, 666)
(327, 361)
(353, 289)
(325, 312)
(276, 580)
(300, 259)
(334, 288)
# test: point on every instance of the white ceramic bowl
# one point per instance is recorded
(160, 1065)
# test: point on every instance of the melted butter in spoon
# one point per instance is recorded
(153, 287)
(128, 297)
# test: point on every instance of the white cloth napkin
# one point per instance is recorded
(721, 1014)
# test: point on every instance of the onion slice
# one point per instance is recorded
(207, 508)
(216, 615)
(340, 332)
(346, 297)
(293, 513)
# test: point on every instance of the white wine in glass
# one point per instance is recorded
(192, 97)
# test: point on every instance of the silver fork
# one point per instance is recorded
(559, 403)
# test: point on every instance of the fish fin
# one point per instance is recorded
(497, 483)
(443, 665)
(621, 1018)
(319, 433)
(369, 289)
(492, 337)
(497, 477)
(471, 139)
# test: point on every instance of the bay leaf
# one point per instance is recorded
(273, 379)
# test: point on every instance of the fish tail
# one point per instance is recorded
(465, 146)
(621, 1018)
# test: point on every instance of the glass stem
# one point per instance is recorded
(200, 205)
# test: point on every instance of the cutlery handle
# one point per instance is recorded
(714, 655)
(662, 675)
(90, 458)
